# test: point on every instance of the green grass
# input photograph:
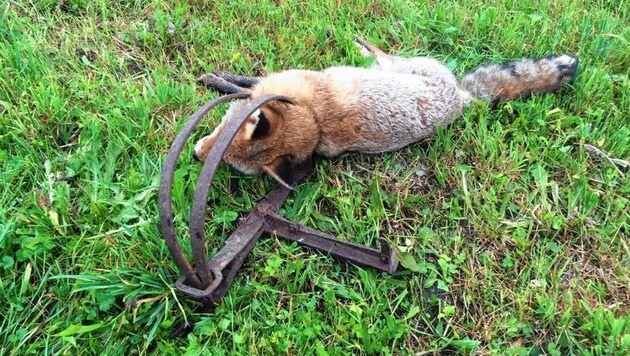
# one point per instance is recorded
(516, 232)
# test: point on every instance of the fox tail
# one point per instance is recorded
(498, 82)
(520, 78)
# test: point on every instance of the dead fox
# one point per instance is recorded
(395, 102)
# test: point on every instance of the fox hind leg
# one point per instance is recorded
(389, 63)
(383, 61)
(368, 49)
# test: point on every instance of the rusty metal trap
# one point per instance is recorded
(208, 280)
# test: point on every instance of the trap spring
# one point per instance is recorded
(209, 281)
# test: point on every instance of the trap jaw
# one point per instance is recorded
(208, 281)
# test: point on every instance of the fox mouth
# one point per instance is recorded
(241, 167)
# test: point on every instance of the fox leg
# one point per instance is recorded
(221, 85)
(383, 61)
(240, 80)
(423, 66)
(227, 83)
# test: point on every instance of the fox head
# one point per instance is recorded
(273, 139)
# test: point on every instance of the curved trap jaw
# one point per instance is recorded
(209, 281)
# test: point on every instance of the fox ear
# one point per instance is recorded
(265, 122)
(259, 126)
(263, 127)
(280, 170)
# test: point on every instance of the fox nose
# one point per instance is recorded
(195, 157)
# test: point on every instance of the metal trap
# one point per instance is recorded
(208, 281)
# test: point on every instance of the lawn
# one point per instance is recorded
(514, 220)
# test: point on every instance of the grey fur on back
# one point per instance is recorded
(401, 104)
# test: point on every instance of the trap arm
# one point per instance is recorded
(166, 187)
(210, 280)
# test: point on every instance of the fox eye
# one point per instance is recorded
(262, 128)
